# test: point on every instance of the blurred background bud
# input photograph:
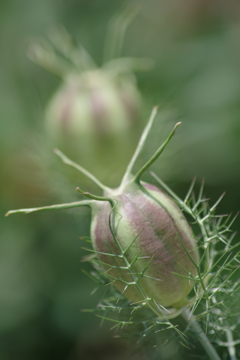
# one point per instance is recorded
(92, 107)
(95, 114)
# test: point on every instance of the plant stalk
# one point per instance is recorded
(206, 344)
(139, 148)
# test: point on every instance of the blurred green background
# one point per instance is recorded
(196, 80)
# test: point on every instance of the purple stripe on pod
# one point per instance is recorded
(98, 110)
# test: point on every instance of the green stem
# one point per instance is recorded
(47, 59)
(116, 31)
(69, 162)
(206, 344)
(156, 155)
(139, 148)
(64, 43)
(53, 207)
(231, 347)
(95, 197)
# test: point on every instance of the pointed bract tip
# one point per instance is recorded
(57, 151)
(10, 212)
(79, 190)
(177, 124)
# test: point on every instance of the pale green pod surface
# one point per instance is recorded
(161, 235)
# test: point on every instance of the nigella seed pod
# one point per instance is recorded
(156, 235)
(93, 104)
(95, 109)
(140, 237)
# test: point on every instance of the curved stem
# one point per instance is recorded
(42, 55)
(231, 347)
(69, 162)
(156, 155)
(202, 337)
(116, 32)
(139, 147)
(53, 207)
(65, 44)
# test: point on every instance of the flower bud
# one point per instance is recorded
(151, 231)
(91, 116)
(95, 109)
(94, 105)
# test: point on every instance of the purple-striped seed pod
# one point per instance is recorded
(141, 237)
(90, 117)
(93, 104)
(147, 223)
(96, 108)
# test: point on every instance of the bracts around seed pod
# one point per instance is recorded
(144, 245)
(148, 227)
(140, 236)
